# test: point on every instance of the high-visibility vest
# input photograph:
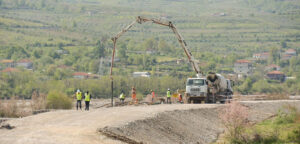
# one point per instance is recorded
(79, 95)
(168, 94)
(87, 97)
(122, 96)
(153, 94)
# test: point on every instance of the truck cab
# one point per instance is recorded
(196, 90)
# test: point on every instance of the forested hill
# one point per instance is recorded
(61, 37)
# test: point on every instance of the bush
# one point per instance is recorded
(38, 101)
(13, 108)
(58, 100)
(8, 109)
(235, 119)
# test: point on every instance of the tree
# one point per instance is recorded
(122, 53)
(283, 44)
(274, 56)
(150, 44)
(99, 51)
(163, 47)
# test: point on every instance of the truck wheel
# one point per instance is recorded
(189, 100)
(186, 98)
(214, 99)
(207, 99)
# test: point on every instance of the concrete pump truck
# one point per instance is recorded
(210, 89)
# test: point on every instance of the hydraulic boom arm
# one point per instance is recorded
(169, 24)
(182, 42)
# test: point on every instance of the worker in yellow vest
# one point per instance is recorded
(78, 98)
(87, 99)
(122, 97)
(169, 96)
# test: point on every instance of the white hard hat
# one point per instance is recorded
(168, 88)
(78, 90)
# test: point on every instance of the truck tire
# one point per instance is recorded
(214, 99)
(189, 101)
(186, 99)
(207, 99)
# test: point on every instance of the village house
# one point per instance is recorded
(291, 52)
(288, 54)
(261, 56)
(26, 63)
(10, 70)
(242, 67)
(7, 63)
(83, 75)
(276, 75)
(141, 74)
(272, 67)
(80, 75)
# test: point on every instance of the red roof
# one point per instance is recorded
(276, 73)
(7, 61)
(80, 74)
(24, 61)
(243, 61)
(287, 55)
(290, 51)
(262, 54)
(10, 70)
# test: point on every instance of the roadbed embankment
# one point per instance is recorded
(176, 123)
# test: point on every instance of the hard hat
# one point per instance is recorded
(78, 90)
(168, 89)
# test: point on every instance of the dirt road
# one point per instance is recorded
(148, 124)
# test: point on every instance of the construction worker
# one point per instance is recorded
(133, 95)
(169, 96)
(79, 98)
(87, 99)
(122, 97)
(180, 98)
(153, 95)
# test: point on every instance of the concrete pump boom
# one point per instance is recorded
(169, 24)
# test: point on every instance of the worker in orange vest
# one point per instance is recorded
(133, 95)
(153, 95)
(180, 98)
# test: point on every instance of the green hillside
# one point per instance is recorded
(76, 33)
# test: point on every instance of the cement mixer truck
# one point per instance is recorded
(211, 89)
(218, 88)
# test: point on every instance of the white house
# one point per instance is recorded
(261, 56)
(141, 74)
(26, 63)
(291, 52)
(243, 67)
(272, 67)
